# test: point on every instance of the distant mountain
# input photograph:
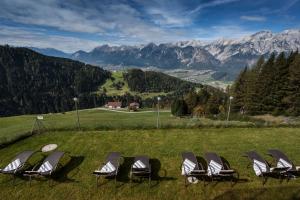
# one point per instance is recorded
(51, 52)
(222, 55)
(245, 51)
(164, 56)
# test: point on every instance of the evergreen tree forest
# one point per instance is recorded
(34, 83)
(150, 81)
(271, 86)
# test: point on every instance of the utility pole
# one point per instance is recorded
(76, 106)
(158, 117)
(229, 107)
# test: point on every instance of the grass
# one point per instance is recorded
(118, 77)
(89, 148)
(13, 128)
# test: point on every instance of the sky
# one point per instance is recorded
(72, 25)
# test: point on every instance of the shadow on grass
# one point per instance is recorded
(65, 175)
(158, 174)
(288, 193)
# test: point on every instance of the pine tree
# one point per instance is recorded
(293, 99)
(253, 97)
(280, 83)
(266, 84)
(239, 90)
(191, 100)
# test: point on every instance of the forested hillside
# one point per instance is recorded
(34, 83)
(271, 86)
(150, 81)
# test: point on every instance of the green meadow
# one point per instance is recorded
(89, 148)
(14, 128)
(135, 134)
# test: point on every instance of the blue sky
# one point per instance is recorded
(71, 25)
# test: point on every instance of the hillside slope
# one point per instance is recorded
(34, 83)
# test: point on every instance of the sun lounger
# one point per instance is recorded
(191, 168)
(262, 168)
(216, 168)
(49, 166)
(141, 168)
(282, 161)
(110, 167)
(18, 164)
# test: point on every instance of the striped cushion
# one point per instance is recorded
(259, 167)
(187, 167)
(45, 167)
(214, 168)
(139, 165)
(108, 168)
(13, 165)
(283, 163)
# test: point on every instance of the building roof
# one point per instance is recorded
(134, 104)
(114, 104)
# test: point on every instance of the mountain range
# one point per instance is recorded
(223, 55)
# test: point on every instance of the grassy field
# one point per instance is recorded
(89, 148)
(12, 128)
(118, 77)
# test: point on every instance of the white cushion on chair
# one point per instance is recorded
(283, 163)
(214, 168)
(45, 167)
(187, 167)
(108, 168)
(13, 165)
(139, 165)
(259, 167)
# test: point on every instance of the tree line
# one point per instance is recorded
(271, 86)
(151, 81)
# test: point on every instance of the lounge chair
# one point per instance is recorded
(110, 167)
(262, 168)
(141, 168)
(282, 161)
(18, 164)
(48, 167)
(191, 168)
(216, 168)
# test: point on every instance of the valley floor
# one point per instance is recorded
(89, 148)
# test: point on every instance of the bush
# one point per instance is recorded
(179, 108)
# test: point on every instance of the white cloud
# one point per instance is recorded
(159, 21)
(253, 18)
(98, 18)
(211, 4)
(20, 37)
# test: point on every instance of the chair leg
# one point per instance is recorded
(30, 178)
(97, 177)
(130, 179)
(14, 180)
(49, 182)
(149, 181)
(264, 180)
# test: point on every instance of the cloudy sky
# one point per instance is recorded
(71, 25)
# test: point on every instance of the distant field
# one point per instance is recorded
(12, 128)
(89, 149)
(112, 91)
